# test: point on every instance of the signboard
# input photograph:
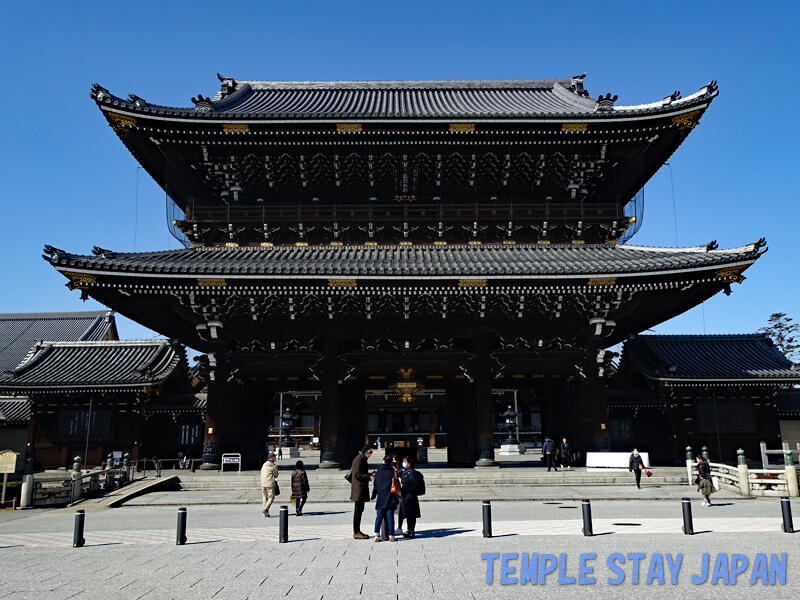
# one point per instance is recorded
(231, 459)
(8, 461)
(117, 456)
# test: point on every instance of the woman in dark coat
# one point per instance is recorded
(704, 480)
(300, 488)
(412, 485)
(385, 501)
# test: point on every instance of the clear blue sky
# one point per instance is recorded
(69, 182)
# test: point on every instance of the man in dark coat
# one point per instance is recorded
(549, 450)
(359, 489)
(636, 464)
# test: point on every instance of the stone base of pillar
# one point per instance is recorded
(294, 452)
(511, 449)
(328, 464)
(486, 462)
(209, 467)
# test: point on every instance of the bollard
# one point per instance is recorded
(77, 537)
(283, 529)
(180, 539)
(487, 519)
(586, 507)
(704, 453)
(688, 527)
(786, 511)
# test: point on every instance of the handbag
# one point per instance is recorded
(648, 473)
(395, 489)
(715, 482)
(277, 489)
(349, 476)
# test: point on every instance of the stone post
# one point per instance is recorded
(744, 473)
(75, 493)
(110, 461)
(126, 464)
(704, 453)
(26, 497)
(689, 464)
(76, 465)
(792, 487)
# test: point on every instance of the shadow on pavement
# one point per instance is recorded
(322, 513)
(442, 532)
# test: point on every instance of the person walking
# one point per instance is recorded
(269, 473)
(636, 464)
(385, 500)
(565, 454)
(359, 489)
(549, 450)
(300, 488)
(280, 452)
(157, 465)
(412, 485)
(703, 481)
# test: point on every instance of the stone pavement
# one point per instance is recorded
(233, 552)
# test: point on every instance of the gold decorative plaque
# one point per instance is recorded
(471, 283)
(462, 126)
(602, 281)
(342, 283)
(79, 281)
(688, 120)
(212, 282)
(121, 123)
(576, 127)
(235, 127)
(351, 127)
(732, 274)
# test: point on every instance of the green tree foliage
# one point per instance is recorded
(783, 331)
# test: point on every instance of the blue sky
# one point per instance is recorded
(69, 182)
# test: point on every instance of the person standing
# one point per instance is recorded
(157, 465)
(565, 454)
(549, 449)
(636, 464)
(359, 489)
(412, 485)
(269, 473)
(280, 452)
(703, 480)
(385, 501)
(300, 487)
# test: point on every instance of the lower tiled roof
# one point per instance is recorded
(14, 411)
(94, 365)
(787, 402)
(741, 358)
(391, 262)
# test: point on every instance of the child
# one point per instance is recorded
(300, 488)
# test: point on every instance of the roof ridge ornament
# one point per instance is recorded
(202, 104)
(100, 92)
(606, 102)
(137, 101)
(676, 95)
(576, 84)
(103, 253)
(228, 85)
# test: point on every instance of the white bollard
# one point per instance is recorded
(26, 497)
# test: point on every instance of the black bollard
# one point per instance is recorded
(487, 519)
(688, 527)
(786, 511)
(77, 537)
(586, 507)
(283, 525)
(180, 539)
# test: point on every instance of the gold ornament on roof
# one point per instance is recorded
(407, 387)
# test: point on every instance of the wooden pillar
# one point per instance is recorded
(462, 447)
(253, 436)
(353, 421)
(484, 412)
(331, 404)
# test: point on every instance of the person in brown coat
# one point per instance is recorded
(359, 489)
(300, 488)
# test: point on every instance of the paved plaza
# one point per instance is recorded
(233, 551)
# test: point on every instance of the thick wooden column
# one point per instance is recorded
(330, 421)
(462, 447)
(353, 421)
(484, 412)
(253, 436)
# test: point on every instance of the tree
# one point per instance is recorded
(783, 331)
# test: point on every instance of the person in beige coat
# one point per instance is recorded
(269, 473)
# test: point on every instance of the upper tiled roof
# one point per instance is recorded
(94, 365)
(540, 98)
(20, 331)
(715, 358)
(392, 262)
(14, 411)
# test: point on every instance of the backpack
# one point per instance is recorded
(420, 485)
